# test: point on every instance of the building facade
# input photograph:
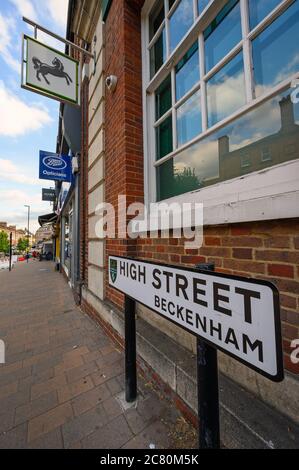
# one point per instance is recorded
(17, 233)
(203, 108)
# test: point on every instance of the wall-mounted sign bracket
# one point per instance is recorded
(60, 38)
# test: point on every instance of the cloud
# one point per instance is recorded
(18, 117)
(58, 11)
(50, 41)
(14, 195)
(7, 30)
(18, 217)
(11, 172)
(25, 8)
(226, 96)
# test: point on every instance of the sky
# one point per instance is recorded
(28, 121)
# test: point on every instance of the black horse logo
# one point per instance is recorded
(44, 69)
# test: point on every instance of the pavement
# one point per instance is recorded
(62, 384)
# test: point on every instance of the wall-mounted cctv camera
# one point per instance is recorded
(111, 82)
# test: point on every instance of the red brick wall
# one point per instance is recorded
(268, 250)
(123, 116)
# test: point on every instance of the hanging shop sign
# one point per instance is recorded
(48, 194)
(49, 72)
(53, 166)
(239, 316)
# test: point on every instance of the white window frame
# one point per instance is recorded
(274, 192)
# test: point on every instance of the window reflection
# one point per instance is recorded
(266, 136)
(158, 54)
(164, 138)
(201, 5)
(163, 97)
(180, 22)
(226, 91)
(187, 72)
(156, 18)
(275, 50)
(223, 34)
(189, 119)
(258, 10)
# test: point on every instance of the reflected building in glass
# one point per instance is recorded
(266, 136)
(272, 149)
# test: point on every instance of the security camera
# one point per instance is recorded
(111, 82)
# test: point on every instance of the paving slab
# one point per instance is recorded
(62, 376)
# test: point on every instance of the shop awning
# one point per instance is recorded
(47, 219)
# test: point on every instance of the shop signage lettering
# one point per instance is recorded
(53, 166)
(237, 315)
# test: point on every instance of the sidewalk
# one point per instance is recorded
(62, 380)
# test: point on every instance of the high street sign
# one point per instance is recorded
(50, 72)
(56, 167)
(238, 316)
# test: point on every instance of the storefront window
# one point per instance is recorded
(158, 53)
(187, 72)
(259, 139)
(222, 34)
(164, 138)
(275, 50)
(221, 70)
(258, 10)
(180, 22)
(201, 5)
(156, 19)
(189, 119)
(163, 98)
(226, 91)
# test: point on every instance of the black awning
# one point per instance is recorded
(47, 219)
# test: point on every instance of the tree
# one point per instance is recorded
(4, 242)
(186, 180)
(22, 244)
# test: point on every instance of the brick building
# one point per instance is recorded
(203, 110)
(17, 233)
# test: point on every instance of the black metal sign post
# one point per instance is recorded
(10, 250)
(207, 389)
(130, 350)
(131, 277)
(208, 396)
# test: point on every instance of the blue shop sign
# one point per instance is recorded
(53, 166)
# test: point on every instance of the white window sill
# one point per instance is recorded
(266, 195)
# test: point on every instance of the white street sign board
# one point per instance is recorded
(50, 72)
(239, 316)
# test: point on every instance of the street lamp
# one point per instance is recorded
(28, 207)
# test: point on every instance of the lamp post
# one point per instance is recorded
(28, 236)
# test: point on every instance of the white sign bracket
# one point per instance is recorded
(37, 27)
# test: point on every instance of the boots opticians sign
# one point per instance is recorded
(239, 316)
(49, 72)
(56, 167)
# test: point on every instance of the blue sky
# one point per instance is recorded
(28, 121)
